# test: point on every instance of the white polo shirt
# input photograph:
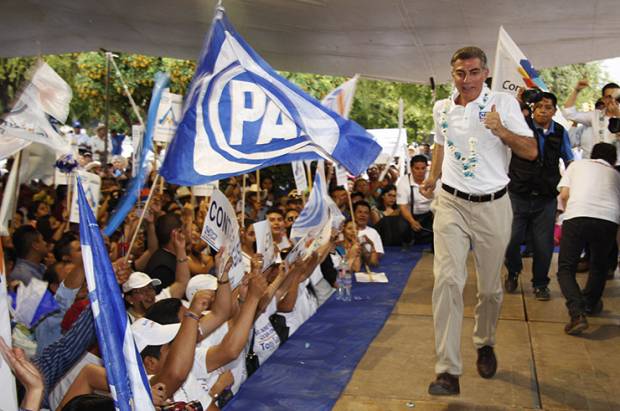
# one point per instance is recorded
(475, 160)
(404, 187)
(599, 200)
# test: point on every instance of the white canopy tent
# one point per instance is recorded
(406, 40)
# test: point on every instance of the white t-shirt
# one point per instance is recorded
(373, 236)
(305, 306)
(475, 160)
(598, 122)
(421, 204)
(59, 391)
(594, 190)
(191, 390)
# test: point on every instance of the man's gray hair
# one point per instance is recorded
(469, 52)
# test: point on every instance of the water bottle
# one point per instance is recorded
(346, 281)
(340, 283)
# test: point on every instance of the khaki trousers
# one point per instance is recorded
(459, 226)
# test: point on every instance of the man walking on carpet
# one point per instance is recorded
(475, 128)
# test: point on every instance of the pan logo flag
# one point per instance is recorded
(241, 115)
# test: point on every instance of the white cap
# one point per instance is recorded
(91, 165)
(200, 282)
(139, 280)
(147, 332)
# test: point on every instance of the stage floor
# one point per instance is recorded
(539, 366)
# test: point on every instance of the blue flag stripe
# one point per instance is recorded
(128, 385)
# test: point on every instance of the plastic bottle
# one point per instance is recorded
(340, 282)
(347, 281)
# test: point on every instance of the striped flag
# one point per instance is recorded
(7, 380)
(126, 377)
(241, 115)
(316, 211)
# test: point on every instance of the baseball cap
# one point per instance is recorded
(200, 282)
(139, 280)
(147, 332)
(77, 124)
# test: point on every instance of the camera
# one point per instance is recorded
(532, 95)
(614, 125)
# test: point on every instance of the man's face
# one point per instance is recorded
(362, 213)
(544, 110)
(340, 197)
(141, 299)
(469, 76)
(418, 169)
(608, 98)
(373, 173)
(291, 216)
(277, 223)
(41, 246)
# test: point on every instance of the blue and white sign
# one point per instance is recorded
(241, 115)
(92, 190)
(168, 116)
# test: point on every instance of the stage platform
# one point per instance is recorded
(540, 367)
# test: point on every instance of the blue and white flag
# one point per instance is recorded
(33, 303)
(135, 185)
(316, 211)
(47, 94)
(126, 377)
(241, 115)
(341, 99)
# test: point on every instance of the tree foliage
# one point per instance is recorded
(562, 80)
(375, 104)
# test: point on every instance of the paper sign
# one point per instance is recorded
(299, 172)
(264, 243)
(205, 190)
(371, 277)
(92, 188)
(221, 229)
(299, 250)
(60, 178)
(342, 176)
(137, 135)
(168, 116)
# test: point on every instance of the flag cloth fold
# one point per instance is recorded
(316, 211)
(241, 115)
(126, 377)
(46, 95)
(513, 71)
(130, 197)
(7, 380)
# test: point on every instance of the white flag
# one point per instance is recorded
(513, 71)
(11, 192)
(46, 94)
(7, 380)
(340, 100)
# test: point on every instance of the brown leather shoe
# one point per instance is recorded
(576, 325)
(487, 362)
(445, 384)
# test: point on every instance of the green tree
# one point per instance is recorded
(561, 81)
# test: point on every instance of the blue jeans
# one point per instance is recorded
(538, 213)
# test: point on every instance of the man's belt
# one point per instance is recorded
(476, 198)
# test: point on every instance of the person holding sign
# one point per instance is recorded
(475, 129)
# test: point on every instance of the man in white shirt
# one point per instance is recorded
(370, 240)
(592, 215)
(475, 131)
(597, 120)
(415, 209)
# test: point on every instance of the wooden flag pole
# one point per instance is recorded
(243, 201)
(146, 207)
(18, 159)
(70, 178)
(258, 190)
(309, 171)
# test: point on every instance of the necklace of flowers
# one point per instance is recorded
(470, 162)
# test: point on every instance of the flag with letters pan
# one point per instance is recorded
(241, 115)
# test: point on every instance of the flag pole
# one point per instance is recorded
(243, 201)
(18, 159)
(107, 107)
(309, 171)
(258, 190)
(69, 199)
(146, 206)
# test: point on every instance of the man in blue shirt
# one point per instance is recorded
(31, 249)
(533, 195)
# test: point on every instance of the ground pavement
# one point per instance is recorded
(540, 367)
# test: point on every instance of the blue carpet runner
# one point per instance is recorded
(310, 371)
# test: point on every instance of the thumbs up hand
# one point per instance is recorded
(493, 122)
